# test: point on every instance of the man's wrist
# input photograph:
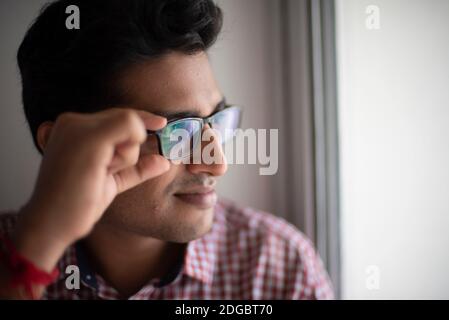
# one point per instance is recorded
(38, 245)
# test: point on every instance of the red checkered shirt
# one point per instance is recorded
(247, 255)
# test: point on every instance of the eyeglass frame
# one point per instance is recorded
(203, 122)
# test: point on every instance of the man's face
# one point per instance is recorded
(178, 205)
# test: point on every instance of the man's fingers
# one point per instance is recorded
(129, 125)
(148, 166)
(152, 121)
(119, 126)
(125, 155)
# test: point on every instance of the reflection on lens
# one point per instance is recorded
(179, 137)
(225, 122)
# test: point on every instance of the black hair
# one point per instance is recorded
(73, 69)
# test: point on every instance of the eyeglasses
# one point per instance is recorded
(179, 138)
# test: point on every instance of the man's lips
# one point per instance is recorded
(201, 197)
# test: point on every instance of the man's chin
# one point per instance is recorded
(194, 224)
(179, 222)
(189, 236)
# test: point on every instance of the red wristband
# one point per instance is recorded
(23, 271)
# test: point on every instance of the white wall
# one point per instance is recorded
(19, 160)
(242, 59)
(394, 139)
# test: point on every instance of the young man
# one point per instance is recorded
(136, 224)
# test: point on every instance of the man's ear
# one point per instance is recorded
(43, 134)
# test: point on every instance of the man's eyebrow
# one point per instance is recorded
(188, 114)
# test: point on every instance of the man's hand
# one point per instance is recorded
(88, 160)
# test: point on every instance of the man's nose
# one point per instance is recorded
(211, 148)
